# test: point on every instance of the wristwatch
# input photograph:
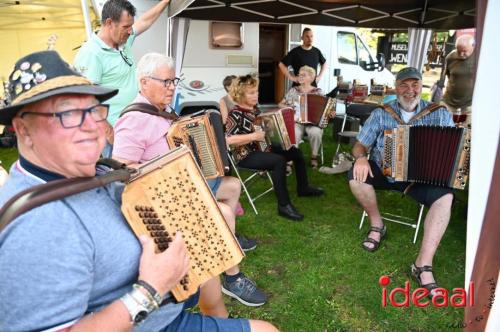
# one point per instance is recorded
(359, 157)
(137, 312)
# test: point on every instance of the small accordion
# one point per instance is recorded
(432, 155)
(279, 126)
(204, 135)
(170, 194)
(316, 109)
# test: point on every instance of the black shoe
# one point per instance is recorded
(245, 243)
(311, 191)
(288, 211)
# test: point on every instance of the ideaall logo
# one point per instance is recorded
(417, 297)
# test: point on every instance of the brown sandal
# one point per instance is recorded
(289, 169)
(376, 244)
(314, 162)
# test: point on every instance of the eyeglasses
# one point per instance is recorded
(166, 83)
(74, 118)
(125, 58)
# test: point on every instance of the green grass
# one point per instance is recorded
(316, 274)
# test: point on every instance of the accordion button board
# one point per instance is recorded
(170, 195)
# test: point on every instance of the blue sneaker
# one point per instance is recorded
(245, 243)
(245, 291)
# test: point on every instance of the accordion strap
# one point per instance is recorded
(392, 112)
(428, 110)
(149, 109)
(33, 197)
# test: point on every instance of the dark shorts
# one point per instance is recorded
(187, 321)
(214, 184)
(423, 193)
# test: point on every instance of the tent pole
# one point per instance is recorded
(86, 19)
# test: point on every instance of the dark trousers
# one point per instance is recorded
(423, 193)
(276, 163)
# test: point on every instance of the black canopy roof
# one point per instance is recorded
(435, 14)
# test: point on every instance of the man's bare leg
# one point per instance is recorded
(365, 194)
(229, 216)
(435, 225)
(211, 302)
(229, 192)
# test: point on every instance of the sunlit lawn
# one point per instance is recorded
(315, 272)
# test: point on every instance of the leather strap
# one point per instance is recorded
(428, 110)
(388, 108)
(36, 196)
(149, 109)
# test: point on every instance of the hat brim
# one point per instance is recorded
(101, 93)
(415, 77)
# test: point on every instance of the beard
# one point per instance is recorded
(409, 106)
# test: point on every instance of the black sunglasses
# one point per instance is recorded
(126, 59)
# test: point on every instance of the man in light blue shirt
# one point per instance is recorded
(366, 175)
(106, 58)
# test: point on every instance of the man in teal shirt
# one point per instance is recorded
(106, 58)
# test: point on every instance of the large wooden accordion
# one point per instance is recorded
(169, 195)
(427, 154)
(316, 109)
(279, 126)
(204, 135)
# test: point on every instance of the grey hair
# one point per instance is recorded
(465, 40)
(150, 62)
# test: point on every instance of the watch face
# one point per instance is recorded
(140, 316)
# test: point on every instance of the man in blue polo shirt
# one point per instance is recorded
(106, 58)
(366, 174)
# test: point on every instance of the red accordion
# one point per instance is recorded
(316, 109)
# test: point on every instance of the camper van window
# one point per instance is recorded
(363, 54)
(346, 48)
(226, 35)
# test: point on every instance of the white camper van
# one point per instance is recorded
(214, 50)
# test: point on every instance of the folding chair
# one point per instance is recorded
(407, 221)
(245, 182)
(321, 150)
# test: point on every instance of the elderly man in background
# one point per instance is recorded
(366, 174)
(140, 137)
(74, 264)
(460, 68)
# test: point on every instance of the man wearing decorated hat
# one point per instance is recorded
(74, 264)
(366, 174)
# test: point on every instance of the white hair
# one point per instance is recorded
(466, 40)
(150, 62)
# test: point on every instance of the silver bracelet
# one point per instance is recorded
(144, 300)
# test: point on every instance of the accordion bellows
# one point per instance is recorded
(316, 109)
(428, 154)
(171, 194)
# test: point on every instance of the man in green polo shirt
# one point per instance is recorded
(106, 58)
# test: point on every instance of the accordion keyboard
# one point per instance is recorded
(199, 133)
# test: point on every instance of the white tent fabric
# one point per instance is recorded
(418, 39)
(485, 140)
